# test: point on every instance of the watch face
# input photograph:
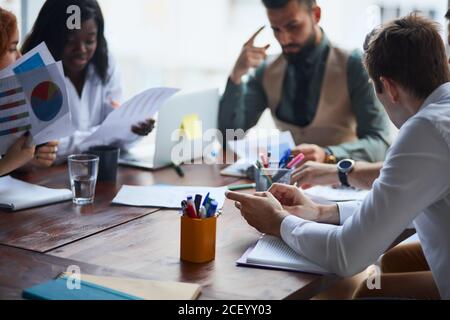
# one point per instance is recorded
(345, 164)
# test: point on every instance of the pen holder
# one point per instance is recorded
(198, 239)
(265, 177)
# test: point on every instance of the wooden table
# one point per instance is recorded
(140, 241)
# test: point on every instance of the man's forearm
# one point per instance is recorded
(329, 214)
(364, 174)
(370, 149)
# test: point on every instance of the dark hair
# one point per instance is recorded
(50, 26)
(277, 4)
(8, 25)
(447, 15)
(409, 51)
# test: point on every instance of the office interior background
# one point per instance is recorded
(194, 44)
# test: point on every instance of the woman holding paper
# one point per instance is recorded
(92, 78)
(21, 152)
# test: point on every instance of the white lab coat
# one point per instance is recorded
(91, 109)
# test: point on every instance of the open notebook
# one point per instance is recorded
(112, 288)
(18, 195)
(272, 252)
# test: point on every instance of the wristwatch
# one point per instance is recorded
(329, 156)
(344, 168)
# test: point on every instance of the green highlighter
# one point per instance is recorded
(242, 187)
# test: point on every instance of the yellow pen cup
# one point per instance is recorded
(198, 239)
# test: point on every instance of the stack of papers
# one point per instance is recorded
(18, 195)
(271, 252)
(33, 97)
(165, 196)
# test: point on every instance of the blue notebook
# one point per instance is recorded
(57, 290)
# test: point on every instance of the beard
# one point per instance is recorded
(302, 49)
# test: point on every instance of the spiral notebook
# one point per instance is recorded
(17, 195)
(271, 252)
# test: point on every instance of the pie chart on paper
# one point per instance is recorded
(46, 100)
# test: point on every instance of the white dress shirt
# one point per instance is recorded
(94, 105)
(414, 186)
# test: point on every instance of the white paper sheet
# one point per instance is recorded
(336, 194)
(59, 129)
(116, 129)
(18, 195)
(165, 196)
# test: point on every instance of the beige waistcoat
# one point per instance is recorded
(334, 122)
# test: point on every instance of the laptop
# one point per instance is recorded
(158, 153)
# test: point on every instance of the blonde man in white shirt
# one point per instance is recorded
(92, 77)
(407, 63)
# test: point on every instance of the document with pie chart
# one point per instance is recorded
(34, 101)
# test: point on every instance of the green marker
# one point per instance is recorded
(242, 187)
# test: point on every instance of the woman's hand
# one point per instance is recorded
(143, 128)
(46, 154)
(18, 154)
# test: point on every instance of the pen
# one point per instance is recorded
(212, 209)
(258, 164)
(296, 160)
(198, 202)
(178, 169)
(206, 199)
(190, 208)
(264, 160)
(242, 187)
(284, 158)
(202, 213)
(184, 206)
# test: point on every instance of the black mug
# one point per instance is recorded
(108, 162)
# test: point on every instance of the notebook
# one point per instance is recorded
(271, 252)
(112, 288)
(18, 195)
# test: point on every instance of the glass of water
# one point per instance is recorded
(83, 169)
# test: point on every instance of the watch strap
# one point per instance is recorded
(343, 179)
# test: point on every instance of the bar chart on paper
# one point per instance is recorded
(12, 102)
(46, 100)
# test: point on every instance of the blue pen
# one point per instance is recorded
(212, 209)
(206, 199)
(284, 158)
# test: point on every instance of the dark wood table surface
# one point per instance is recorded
(140, 241)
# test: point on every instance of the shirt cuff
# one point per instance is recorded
(339, 152)
(234, 89)
(288, 225)
(347, 209)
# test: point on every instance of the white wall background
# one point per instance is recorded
(193, 44)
